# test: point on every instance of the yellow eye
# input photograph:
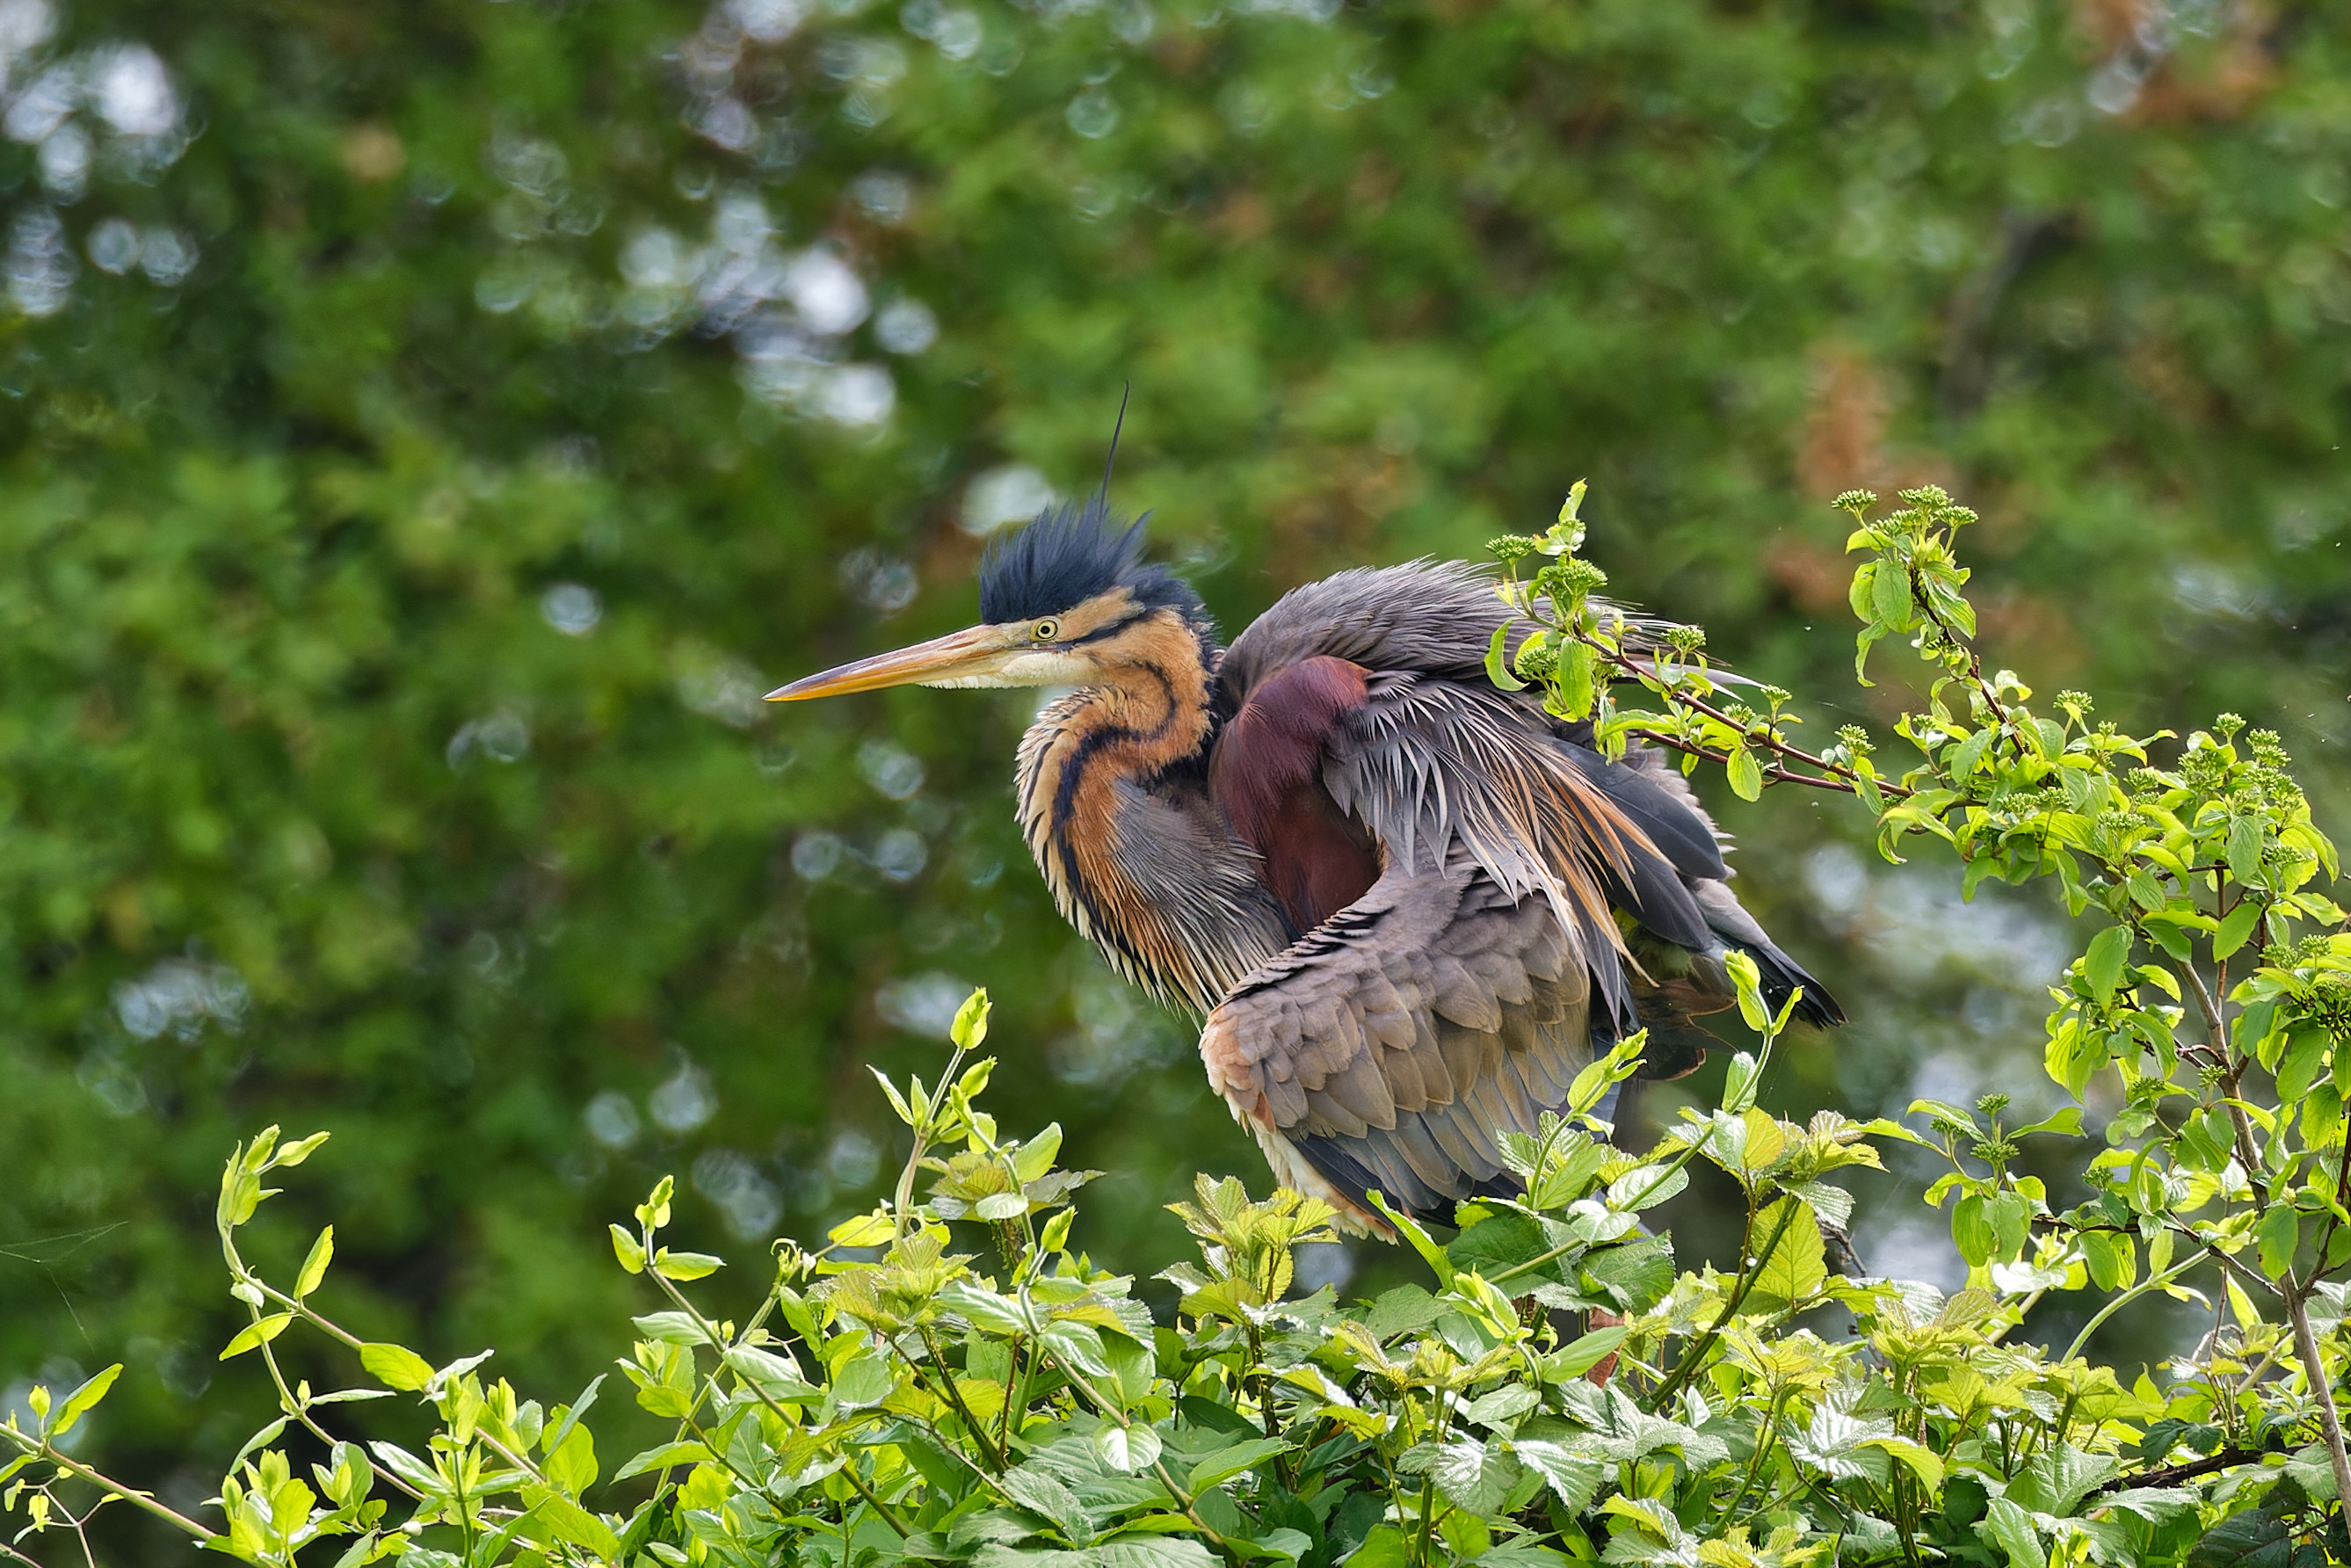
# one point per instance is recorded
(1046, 631)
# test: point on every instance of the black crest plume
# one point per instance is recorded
(1073, 551)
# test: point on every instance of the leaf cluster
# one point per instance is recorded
(1562, 1390)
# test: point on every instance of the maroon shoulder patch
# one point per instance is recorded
(1267, 775)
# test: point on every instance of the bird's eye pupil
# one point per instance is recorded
(1048, 630)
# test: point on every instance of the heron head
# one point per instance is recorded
(1065, 601)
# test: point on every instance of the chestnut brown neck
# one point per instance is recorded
(1146, 713)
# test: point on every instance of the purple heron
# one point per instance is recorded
(1408, 905)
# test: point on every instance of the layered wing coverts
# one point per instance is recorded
(1478, 901)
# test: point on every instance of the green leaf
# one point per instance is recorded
(575, 1524)
(2278, 1229)
(1797, 1267)
(1408, 1309)
(1503, 1407)
(671, 1265)
(314, 1267)
(1224, 1464)
(1127, 1448)
(1575, 1479)
(79, 1402)
(669, 1455)
(1494, 1246)
(898, 1106)
(1890, 595)
(2255, 1538)
(1385, 1547)
(396, 1366)
(294, 1154)
(1498, 669)
(672, 1328)
(863, 1231)
(2011, 1217)
(259, 1331)
(770, 1373)
(2245, 837)
(1970, 753)
(1647, 1186)
(1566, 534)
(1001, 1206)
(1738, 1079)
(1586, 1351)
(1035, 1159)
(1412, 1230)
(2066, 1121)
(2236, 927)
(1924, 1462)
(864, 1381)
(2106, 1256)
(626, 1249)
(572, 1465)
(1475, 1476)
(2305, 1057)
(2103, 968)
(662, 1400)
(1043, 1493)
(1139, 1550)
(2010, 1527)
(268, 1433)
(653, 1213)
(1745, 774)
(970, 1027)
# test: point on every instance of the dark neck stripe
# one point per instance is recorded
(1113, 630)
(1073, 768)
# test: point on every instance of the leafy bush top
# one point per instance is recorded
(893, 1398)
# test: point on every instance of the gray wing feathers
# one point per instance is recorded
(1394, 1044)
(1431, 764)
(1457, 997)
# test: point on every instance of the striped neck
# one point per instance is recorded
(1144, 716)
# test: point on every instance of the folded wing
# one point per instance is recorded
(1480, 901)
(1389, 1047)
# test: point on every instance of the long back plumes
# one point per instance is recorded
(1441, 756)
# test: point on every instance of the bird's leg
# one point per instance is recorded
(1009, 1244)
(1602, 1318)
(1836, 1241)
(1565, 1328)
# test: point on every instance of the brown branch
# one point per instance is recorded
(1780, 773)
(2294, 1294)
(1771, 741)
(2173, 1475)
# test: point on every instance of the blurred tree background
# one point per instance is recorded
(429, 428)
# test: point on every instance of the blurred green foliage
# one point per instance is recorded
(428, 428)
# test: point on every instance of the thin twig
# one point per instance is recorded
(1184, 1499)
(1690, 1358)
(2153, 1281)
(2295, 1294)
(137, 1500)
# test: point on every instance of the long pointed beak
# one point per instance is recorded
(958, 655)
